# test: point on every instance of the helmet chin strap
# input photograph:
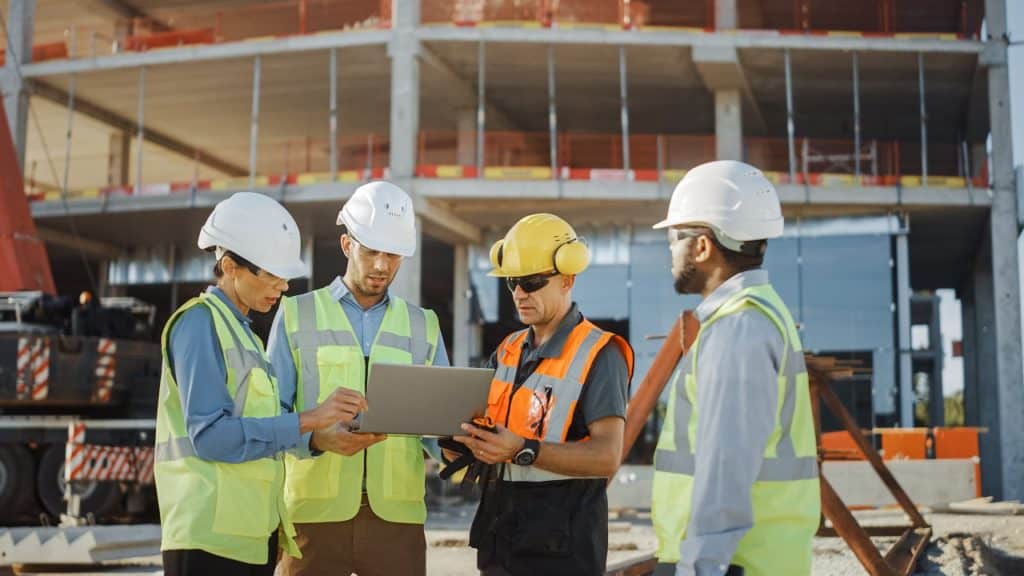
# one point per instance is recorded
(219, 252)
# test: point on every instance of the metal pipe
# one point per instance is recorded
(254, 132)
(481, 108)
(856, 116)
(140, 138)
(67, 142)
(334, 114)
(924, 119)
(552, 113)
(790, 127)
(624, 102)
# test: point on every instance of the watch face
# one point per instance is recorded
(525, 457)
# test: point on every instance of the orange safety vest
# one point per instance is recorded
(543, 407)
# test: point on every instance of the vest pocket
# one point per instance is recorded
(262, 399)
(246, 502)
(403, 469)
(309, 478)
(339, 367)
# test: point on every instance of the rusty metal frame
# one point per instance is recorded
(902, 557)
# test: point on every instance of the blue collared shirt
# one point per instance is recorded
(197, 363)
(365, 323)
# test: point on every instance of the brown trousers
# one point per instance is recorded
(364, 545)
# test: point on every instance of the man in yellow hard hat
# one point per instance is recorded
(558, 406)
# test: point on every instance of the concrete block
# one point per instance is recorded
(927, 482)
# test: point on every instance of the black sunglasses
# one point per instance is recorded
(529, 283)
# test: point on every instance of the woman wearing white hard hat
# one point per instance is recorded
(221, 418)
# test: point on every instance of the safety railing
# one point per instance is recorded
(286, 161)
(508, 155)
(881, 17)
(196, 24)
(591, 156)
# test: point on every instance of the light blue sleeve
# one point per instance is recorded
(737, 395)
(198, 367)
(280, 352)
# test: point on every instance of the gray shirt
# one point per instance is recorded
(737, 396)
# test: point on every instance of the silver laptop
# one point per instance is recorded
(423, 400)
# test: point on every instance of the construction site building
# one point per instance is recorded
(885, 125)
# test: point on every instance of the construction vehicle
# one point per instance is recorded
(88, 367)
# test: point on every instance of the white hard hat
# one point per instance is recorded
(257, 228)
(379, 215)
(731, 197)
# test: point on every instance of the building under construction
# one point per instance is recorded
(885, 125)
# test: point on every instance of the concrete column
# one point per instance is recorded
(461, 328)
(20, 24)
(119, 159)
(727, 16)
(904, 384)
(405, 87)
(465, 144)
(408, 280)
(1005, 296)
(728, 125)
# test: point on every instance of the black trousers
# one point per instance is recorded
(202, 563)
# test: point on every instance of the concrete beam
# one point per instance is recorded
(325, 41)
(465, 90)
(20, 24)
(721, 70)
(444, 224)
(95, 248)
(206, 52)
(57, 95)
(431, 195)
(685, 38)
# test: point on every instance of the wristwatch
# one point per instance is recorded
(528, 455)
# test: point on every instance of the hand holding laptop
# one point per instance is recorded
(340, 440)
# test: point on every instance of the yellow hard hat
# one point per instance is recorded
(539, 243)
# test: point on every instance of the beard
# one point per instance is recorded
(688, 280)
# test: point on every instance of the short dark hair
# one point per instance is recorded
(218, 272)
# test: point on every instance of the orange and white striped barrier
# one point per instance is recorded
(106, 370)
(33, 369)
(94, 462)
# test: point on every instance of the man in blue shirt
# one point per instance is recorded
(363, 513)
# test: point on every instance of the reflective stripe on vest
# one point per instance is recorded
(785, 465)
(561, 394)
(241, 361)
(309, 338)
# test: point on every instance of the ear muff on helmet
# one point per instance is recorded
(571, 258)
(497, 253)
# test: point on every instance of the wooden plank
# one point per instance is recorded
(851, 532)
(837, 408)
